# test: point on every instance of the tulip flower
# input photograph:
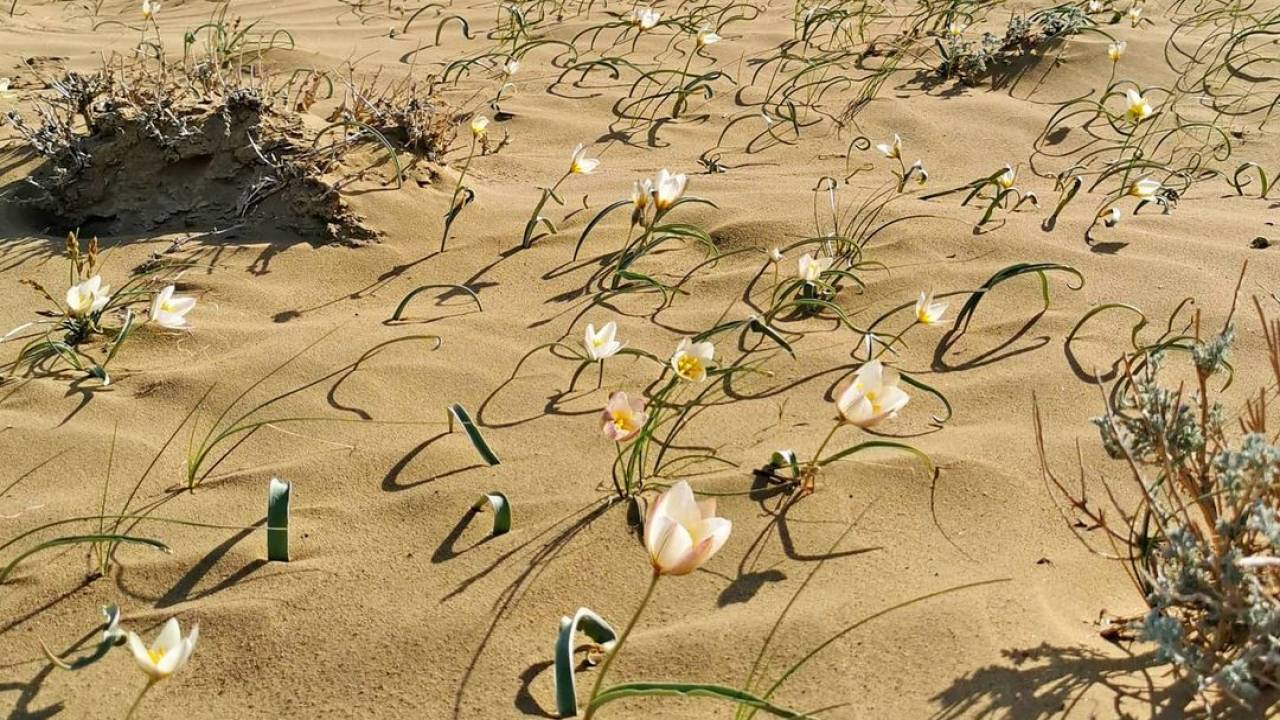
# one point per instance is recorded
(954, 30)
(1138, 108)
(511, 67)
(603, 343)
(871, 395)
(775, 255)
(642, 193)
(580, 164)
(1135, 14)
(893, 151)
(1112, 218)
(623, 417)
(169, 311)
(1095, 6)
(1006, 178)
(479, 126)
(87, 297)
(810, 268)
(669, 188)
(929, 312)
(150, 8)
(167, 653)
(680, 533)
(691, 359)
(1144, 188)
(707, 37)
(1115, 51)
(645, 18)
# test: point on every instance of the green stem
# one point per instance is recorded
(453, 202)
(138, 701)
(817, 457)
(608, 659)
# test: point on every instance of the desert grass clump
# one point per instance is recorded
(969, 61)
(1202, 542)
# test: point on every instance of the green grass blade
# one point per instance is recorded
(600, 632)
(79, 540)
(278, 495)
(501, 507)
(460, 413)
(678, 689)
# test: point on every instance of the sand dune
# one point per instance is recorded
(390, 608)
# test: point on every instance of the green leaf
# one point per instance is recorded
(80, 540)
(501, 507)
(278, 494)
(763, 328)
(678, 689)
(600, 632)
(873, 444)
(460, 413)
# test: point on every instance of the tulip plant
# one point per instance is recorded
(579, 164)
(91, 312)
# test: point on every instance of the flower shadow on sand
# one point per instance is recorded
(1053, 682)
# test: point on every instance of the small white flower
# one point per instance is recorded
(929, 312)
(1115, 50)
(691, 359)
(775, 255)
(669, 188)
(603, 343)
(511, 67)
(645, 18)
(810, 269)
(580, 164)
(1095, 6)
(1144, 188)
(1112, 218)
(1007, 177)
(1138, 108)
(707, 37)
(167, 654)
(479, 126)
(893, 150)
(87, 297)
(1135, 14)
(170, 312)
(871, 395)
(150, 8)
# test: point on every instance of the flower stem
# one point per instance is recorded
(817, 457)
(608, 659)
(138, 701)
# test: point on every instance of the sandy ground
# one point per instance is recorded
(391, 609)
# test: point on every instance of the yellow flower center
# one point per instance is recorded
(923, 315)
(688, 366)
(156, 655)
(624, 420)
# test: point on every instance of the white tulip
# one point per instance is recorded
(669, 188)
(167, 654)
(929, 312)
(691, 359)
(580, 164)
(1138, 108)
(170, 312)
(479, 126)
(602, 344)
(1115, 50)
(810, 268)
(1135, 14)
(87, 297)
(871, 395)
(511, 67)
(150, 8)
(707, 37)
(645, 18)
(681, 533)
(1007, 177)
(892, 150)
(775, 255)
(1144, 188)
